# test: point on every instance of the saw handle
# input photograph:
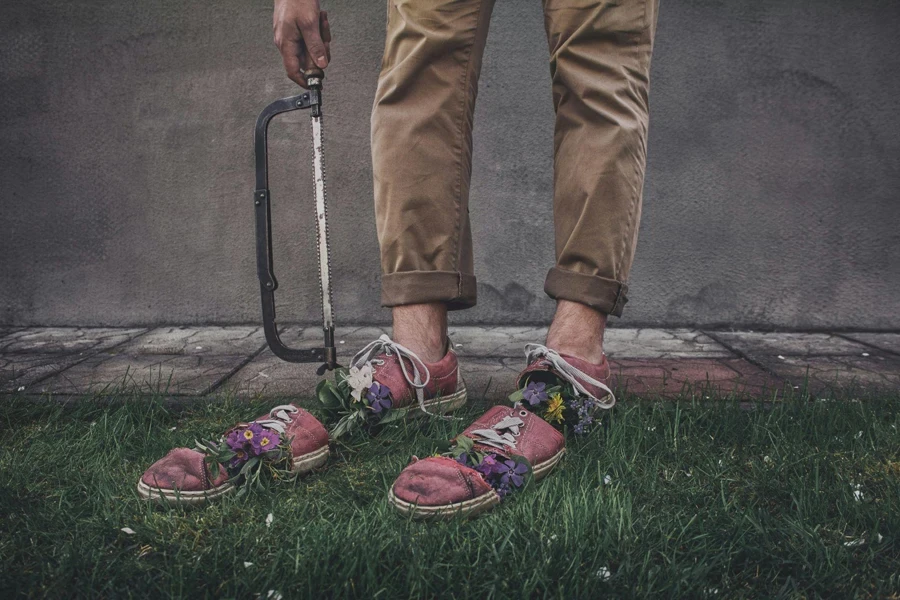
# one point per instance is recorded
(312, 75)
(327, 354)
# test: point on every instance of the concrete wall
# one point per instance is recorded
(126, 165)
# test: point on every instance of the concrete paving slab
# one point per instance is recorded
(174, 360)
(674, 377)
(18, 372)
(65, 340)
(487, 341)
(176, 375)
(889, 342)
(663, 344)
(839, 374)
(192, 341)
(755, 344)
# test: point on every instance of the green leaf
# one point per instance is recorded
(347, 424)
(465, 442)
(329, 396)
(248, 466)
(394, 415)
(340, 377)
(516, 397)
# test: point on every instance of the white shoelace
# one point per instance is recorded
(497, 436)
(279, 417)
(573, 375)
(385, 345)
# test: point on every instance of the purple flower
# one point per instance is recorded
(266, 441)
(251, 433)
(534, 392)
(513, 472)
(235, 439)
(489, 466)
(463, 459)
(240, 457)
(378, 397)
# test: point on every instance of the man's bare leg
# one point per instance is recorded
(423, 329)
(577, 330)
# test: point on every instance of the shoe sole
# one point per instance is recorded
(468, 508)
(442, 404)
(301, 465)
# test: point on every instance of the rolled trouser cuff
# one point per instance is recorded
(606, 295)
(456, 290)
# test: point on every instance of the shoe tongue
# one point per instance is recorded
(540, 371)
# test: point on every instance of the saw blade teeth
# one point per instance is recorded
(319, 173)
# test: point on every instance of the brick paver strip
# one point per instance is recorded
(826, 375)
(670, 378)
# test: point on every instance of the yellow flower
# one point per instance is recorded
(555, 409)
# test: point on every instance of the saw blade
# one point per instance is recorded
(322, 223)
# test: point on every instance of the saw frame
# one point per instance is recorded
(312, 100)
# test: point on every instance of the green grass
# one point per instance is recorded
(711, 500)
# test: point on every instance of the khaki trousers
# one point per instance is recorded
(422, 146)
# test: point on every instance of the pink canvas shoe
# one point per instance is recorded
(565, 390)
(286, 434)
(435, 387)
(387, 381)
(493, 457)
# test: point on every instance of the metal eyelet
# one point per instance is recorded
(523, 413)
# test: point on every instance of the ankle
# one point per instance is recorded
(577, 330)
(423, 329)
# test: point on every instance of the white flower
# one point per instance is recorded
(247, 565)
(607, 480)
(269, 520)
(603, 573)
(274, 595)
(128, 530)
(360, 379)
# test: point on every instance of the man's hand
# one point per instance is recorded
(303, 37)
